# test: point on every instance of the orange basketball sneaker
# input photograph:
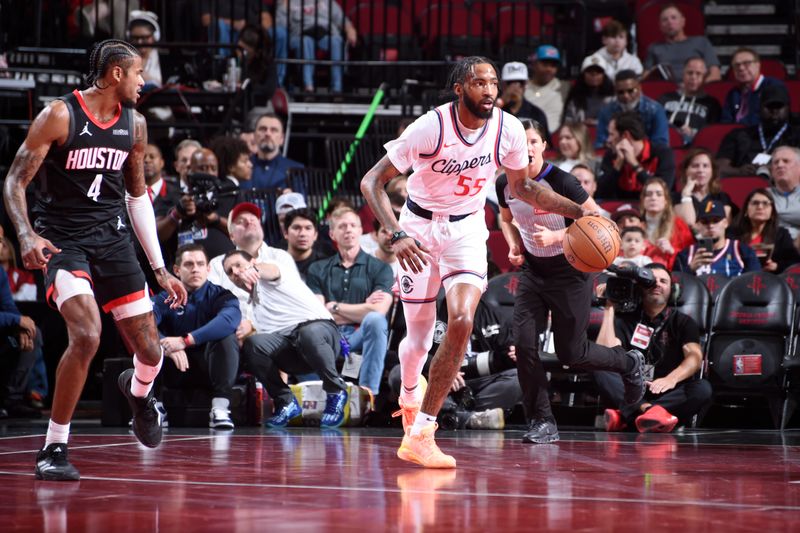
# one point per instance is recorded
(422, 449)
(409, 410)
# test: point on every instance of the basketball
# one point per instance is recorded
(591, 243)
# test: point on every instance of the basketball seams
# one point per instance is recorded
(600, 233)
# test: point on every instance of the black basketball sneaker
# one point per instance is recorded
(146, 417)
(52, 464)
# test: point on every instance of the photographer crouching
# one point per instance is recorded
(670, 341)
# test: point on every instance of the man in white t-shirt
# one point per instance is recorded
(455, 151)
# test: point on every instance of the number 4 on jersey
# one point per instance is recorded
(94, 189)
(464, 186)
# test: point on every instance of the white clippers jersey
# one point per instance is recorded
(451, 175)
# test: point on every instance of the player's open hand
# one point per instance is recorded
(175, 290)
(36, 252)
(411, 254)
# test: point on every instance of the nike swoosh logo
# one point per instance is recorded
(449, 145)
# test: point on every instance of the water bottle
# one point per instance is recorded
(231, 75)
(259, 403)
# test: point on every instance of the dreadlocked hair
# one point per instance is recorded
(464, 69)
(107, 53)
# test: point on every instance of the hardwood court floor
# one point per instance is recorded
(350, 480)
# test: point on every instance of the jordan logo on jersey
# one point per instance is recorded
(120, 223)
(85, 130)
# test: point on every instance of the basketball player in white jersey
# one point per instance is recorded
(455, 151)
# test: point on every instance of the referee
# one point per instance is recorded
(548, 282)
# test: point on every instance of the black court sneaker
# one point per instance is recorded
(541, 432)
(146, 417)
(52, 464)
(634, 380)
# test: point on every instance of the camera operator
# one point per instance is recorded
(670, 341)
(713, 253)
(486, 386)
(197, 218)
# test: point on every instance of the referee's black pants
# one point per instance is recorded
(550, 283)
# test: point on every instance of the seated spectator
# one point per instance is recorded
(714, 253)
(246, 234)
(356, 289)
(200, 337)
(614, 52)
(300, 233)
(629, 98)
(747, 151)
(385, 250)
(269, 165)
(668, 234)
(20, 346)
(514, 78)
(756, 225)
(399, 185)
(287, 202)
(183, 159)
(632, 247)
(627, 216)
(480, 396)
(575, 147)
(296, 335)
(21, 282)
(632, 159)
(699, 182)
(677, 47)
(673, 358)
(165, 193)
(588, 181)
(225, 21)
(235, 166)
(544, 89)
(690, 108)
(592, 90)
(258, 66)
(143, 33)
(313, 24)
(743, 102)
(202, 221)
(786, 189)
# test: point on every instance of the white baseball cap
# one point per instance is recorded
(515, 71)
(287, 202)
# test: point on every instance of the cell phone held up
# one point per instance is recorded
(706, 244)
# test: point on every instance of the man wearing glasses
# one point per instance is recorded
(629, 97)
(714, 253)
(742, 103)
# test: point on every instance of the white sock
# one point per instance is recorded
(56, 433)
(413, 353)
(220, 403)
(422, 421)
(144, 375)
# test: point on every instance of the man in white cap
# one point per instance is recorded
(288, 201)
(514, 78)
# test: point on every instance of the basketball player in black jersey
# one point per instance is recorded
(87, 151)
(548, 282)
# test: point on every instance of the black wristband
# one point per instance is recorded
(397, 235)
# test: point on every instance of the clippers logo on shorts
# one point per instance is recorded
(406, 284)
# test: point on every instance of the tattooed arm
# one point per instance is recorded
(50, 126)
(140, 212)
(532, 192)
(409, 252)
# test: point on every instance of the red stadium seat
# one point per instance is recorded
(498, 250)
(647, 25)
(710, 137)
(794, 95)
(452, 29)
(738, 187)
(655, 88)
(680, 155)
(675, 138)
(519, 23)
(719, 90)
(384, 30)
(771, 67)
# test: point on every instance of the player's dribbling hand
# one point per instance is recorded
(36, 252)
(587, 212)
(175, 290)
(410, 252)
(515, 256)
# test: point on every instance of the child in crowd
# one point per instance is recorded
(633, 244)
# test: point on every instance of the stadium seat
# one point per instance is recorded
(771, 67)
(719, 90)
(680, 155)
(386, 33)
(675, 138)
(710, 137)
(714, 283)
(647, 25)
(452, 30)
(794, 95)
(656, 88)
(738, 187)
(520, 24)
(751, 335)
(694, 300)
(501, 293)
(792, 278)
(498, 250)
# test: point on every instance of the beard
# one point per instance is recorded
(475, 109)
(267, 147)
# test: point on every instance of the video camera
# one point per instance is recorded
(621, 287)
(206, 190)
(477, 365)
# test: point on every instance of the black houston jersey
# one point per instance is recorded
(81, 183)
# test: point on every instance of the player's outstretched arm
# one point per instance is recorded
(537, 195)
(50, 126)
(140, 212)
(409, 252)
